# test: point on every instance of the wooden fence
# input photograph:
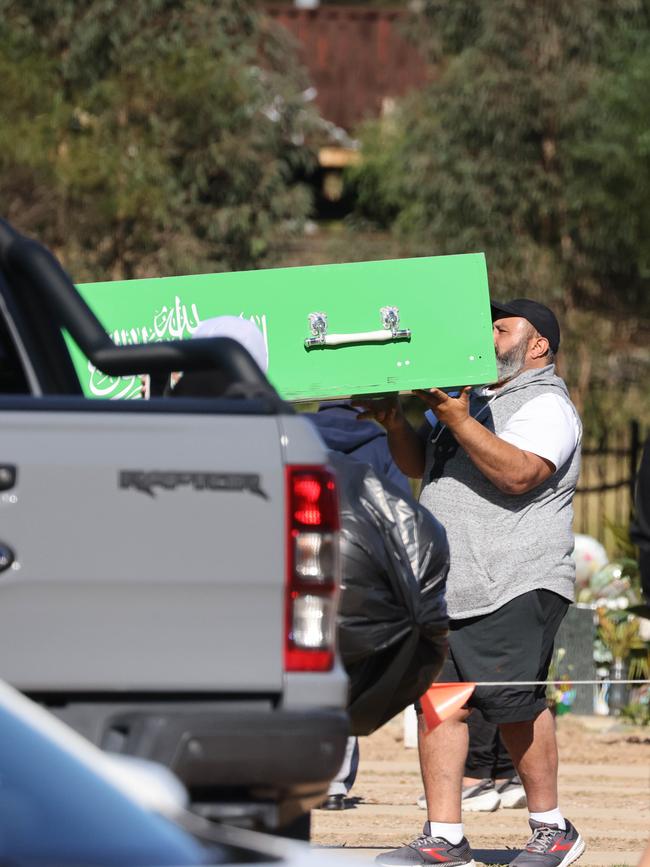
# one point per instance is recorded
(605, 493)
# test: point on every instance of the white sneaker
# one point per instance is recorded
(512, 794)
(480, 798)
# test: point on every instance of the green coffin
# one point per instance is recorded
(331, 330)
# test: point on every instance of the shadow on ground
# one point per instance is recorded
(481, 856)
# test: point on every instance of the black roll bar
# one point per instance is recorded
(40, 270)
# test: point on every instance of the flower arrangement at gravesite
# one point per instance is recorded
(622, 634)
(560, 692)
(622, 645)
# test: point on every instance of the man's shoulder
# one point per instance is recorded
(548, 390)
(550, 396)
(544, 379)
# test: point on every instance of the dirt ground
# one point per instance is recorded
(604, 790)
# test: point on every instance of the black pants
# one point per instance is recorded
(487, 757)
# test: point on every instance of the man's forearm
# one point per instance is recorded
(509, 468)
(406, 447)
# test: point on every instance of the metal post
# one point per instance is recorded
(635, 450)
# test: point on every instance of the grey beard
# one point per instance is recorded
(511, 362)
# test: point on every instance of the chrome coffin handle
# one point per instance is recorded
(389, 332)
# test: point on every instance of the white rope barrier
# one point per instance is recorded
(568, 681)
(410, 723)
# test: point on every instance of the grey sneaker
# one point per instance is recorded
(550, 847)
(429, 850)
(512, 794)
(480, 798)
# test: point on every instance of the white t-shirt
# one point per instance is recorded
(545, 426)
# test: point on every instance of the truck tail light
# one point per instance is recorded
(312, 568)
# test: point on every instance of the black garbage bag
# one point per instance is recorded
(392, 622)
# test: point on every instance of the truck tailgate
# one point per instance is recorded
(149, 550)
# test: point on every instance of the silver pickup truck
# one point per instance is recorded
(168, 568)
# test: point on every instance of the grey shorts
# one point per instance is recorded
(513, 643)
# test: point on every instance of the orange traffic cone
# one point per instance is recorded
(441, 700)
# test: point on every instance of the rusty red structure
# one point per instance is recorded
(357, 57)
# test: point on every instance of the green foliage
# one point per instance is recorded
(609, 184)
(625, 550)
(619, 632)
(160, 137)
(531, 143)
(486, 157)
(636, 713)
(393, 4)
(639, 662)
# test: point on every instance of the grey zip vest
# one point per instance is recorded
(502, 545)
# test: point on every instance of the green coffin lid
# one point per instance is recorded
(331, 330)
